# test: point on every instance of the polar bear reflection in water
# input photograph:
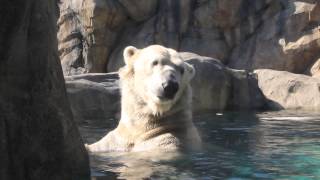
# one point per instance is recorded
(156, 112)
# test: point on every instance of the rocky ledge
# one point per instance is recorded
(215, 87)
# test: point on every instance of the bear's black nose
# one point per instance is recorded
(170, 89)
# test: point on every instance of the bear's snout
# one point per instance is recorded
(170, 89)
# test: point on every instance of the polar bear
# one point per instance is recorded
(156, 98)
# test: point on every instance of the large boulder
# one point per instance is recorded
(215, 87)
(211, 85)
(286, 90)
(38, 138)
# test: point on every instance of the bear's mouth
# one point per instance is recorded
(164, 100)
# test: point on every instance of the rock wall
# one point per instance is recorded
(243, 34)
(38, 138)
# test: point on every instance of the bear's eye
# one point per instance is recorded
(154, 63)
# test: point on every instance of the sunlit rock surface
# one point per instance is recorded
(289, 91)
(286, 38)
(315, 69)
(243, 34)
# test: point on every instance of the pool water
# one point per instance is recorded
(237, 146)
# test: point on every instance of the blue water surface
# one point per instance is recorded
(237, 146)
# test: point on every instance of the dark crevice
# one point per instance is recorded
(72, 35)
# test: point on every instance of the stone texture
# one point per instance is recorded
(94, 96)
(139, 10)
(215, 87)
(315, 69)
(244, 34)
(287, 38)
(286, 90)
(87, 31)
(208, 93)
(245, 93)
(38, 138)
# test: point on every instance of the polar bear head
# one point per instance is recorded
(157, 75)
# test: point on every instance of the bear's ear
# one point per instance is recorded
(191, 70)
(128, 53)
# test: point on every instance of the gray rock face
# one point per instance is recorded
(211, 84)
(243, 34)
(215, 87)
(287, 38)
(38, 138)
(289, 91)
(94, 96)
(87, 31)
(245, 93)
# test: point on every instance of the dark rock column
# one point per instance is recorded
(38, 138)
